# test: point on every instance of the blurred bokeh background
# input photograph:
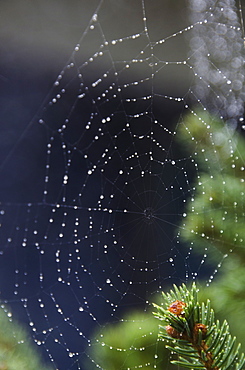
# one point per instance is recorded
(37, 39)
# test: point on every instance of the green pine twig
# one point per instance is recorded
(193, 334)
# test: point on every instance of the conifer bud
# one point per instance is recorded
(202, 327)
(173, 333)
(177, 308)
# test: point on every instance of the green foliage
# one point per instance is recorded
(115, 350)
(216, 213)
(192, 332)
(16, 350)
(227, 294)
(130, 344)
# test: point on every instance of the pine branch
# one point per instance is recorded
(193, 334)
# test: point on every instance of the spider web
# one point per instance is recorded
(95, 190)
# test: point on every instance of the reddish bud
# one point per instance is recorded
(173, 333)
(202, 327)
(177, 308)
